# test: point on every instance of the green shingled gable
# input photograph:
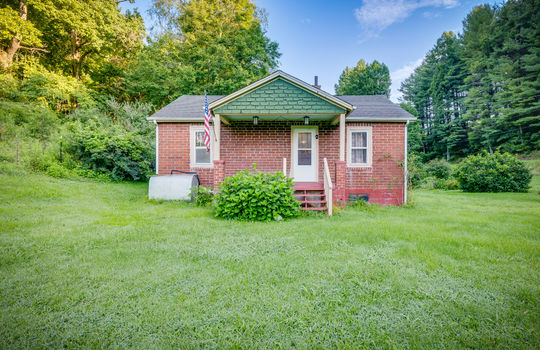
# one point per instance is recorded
(279, 97)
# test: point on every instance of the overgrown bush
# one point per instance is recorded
(202, 195)
(499, 172)
(23, 119)
(438, 168)
(255, 196)
(60, 93)
(113, 151)
(450, 184)
(415, 169)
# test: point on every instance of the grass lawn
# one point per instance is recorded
(87, 264)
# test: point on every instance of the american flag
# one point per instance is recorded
(207, 118)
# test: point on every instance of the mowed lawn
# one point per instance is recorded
(88, 264)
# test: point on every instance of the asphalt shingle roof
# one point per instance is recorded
(368, 107)
(375, 107)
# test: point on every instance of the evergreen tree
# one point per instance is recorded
(517, 74)
(477, 53)
(435, 89)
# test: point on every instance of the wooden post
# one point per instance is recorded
(342, 137)
(285, 166)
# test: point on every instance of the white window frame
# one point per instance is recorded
(369, 153)
(192, 131)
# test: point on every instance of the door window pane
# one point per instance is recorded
(359, 139)
(202, 156)
(304, 140)
(304, 157)
(359, 156)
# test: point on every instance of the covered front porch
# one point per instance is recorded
(311, 152)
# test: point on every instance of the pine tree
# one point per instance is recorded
(477, 52)
(517, 74)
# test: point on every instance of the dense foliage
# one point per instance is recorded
(498, 172)
(79, 78)
(116, 146)
(438, 168)
(364, 79)
(479, 90)
(256, 196)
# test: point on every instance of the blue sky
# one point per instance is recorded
(323, 37)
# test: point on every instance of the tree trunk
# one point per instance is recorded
(75, 54)
(6, 56)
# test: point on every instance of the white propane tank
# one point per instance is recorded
(172, 187)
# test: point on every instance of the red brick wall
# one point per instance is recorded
(383, 181)
(174, 152)
(266, 144)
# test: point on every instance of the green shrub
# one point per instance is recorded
(438, 168)
(24, 119)
(113, 151)
(415, 169)
(450, 184)
(499, 172)
(57, 170)
(255, 196)
(202, 195)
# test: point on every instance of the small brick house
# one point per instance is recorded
(351, 147)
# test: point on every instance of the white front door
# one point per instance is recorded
(304, 154)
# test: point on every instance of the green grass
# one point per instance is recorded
(88, 264)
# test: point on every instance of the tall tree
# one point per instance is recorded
(157, 74)
(364, 79)
(516, 34)
(17, 32)
(435, 89)
(224, 41)
(477, 53)
(72, 36)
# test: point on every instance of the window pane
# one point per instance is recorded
(199, 138)
(304, 140)
(304, 157)
(202, 156)
(359, 156)
(359, 139)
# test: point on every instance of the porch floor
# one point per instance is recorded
(308, 186)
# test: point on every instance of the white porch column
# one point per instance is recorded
(217, 137)
(342, 137)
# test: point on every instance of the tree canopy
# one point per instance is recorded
(364, 79)
(480, 90)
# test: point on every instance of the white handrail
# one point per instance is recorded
(285, 166)
(328, 186)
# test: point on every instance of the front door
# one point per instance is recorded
(304, 154)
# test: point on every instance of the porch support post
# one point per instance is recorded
(342, 137)
(339, 193)
(219, 172)
(217, 137)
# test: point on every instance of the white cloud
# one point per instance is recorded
(398, 76)
(376, 15)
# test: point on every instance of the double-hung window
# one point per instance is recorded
(199, 154)
(359, 147)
